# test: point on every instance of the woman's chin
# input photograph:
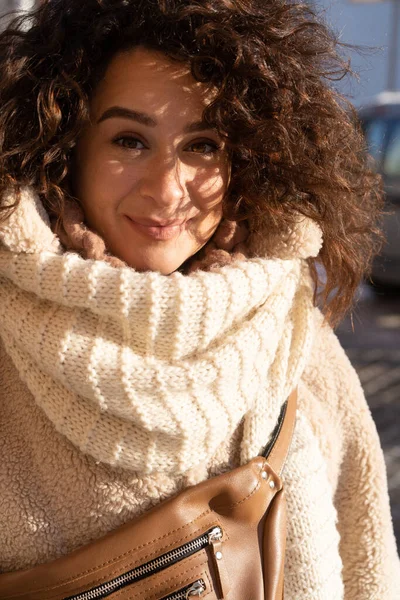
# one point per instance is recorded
(159, 262)
(161, 256)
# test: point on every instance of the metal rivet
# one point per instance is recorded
(272, 485)
(218, 555)
(264, 474)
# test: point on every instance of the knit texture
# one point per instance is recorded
(97, 361)
(132, 367)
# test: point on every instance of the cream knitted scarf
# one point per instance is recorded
(151, 372)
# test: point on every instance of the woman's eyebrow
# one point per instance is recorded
(144, 119)
(127, 113)
(198, 126)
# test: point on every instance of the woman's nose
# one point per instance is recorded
(164, 184)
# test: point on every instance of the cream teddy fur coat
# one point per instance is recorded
(118, 389)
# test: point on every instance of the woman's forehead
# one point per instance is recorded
(150, 82)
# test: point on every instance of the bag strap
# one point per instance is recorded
(278, 447)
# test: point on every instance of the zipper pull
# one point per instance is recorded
(197, 589)
(215, 541)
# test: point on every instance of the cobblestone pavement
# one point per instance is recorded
(372, 343)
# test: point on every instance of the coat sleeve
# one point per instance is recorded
(371, 567)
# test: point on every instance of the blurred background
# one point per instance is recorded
(371, 335)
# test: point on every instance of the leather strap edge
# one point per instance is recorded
(277, 449)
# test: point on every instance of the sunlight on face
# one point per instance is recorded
(150, 174)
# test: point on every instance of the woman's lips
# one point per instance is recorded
(158, 232)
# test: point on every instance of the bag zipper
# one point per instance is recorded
(195, 589)
(152, 567)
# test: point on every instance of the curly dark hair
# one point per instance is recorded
(295, 143)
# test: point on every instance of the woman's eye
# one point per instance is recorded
(129, 142)
(204, 148)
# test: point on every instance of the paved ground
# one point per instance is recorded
(372, 342)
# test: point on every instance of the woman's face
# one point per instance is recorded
(150, 174)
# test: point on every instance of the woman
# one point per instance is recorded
(171, 175)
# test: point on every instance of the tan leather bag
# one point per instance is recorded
(224, 538)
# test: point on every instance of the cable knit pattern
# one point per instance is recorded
(117, 359)
(132, 367)
(120, 388)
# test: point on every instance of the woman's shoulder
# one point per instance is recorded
(331, 397)
(329, 374)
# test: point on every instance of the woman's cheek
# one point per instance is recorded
(115, 182)
(210, 189)
(115, 168)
